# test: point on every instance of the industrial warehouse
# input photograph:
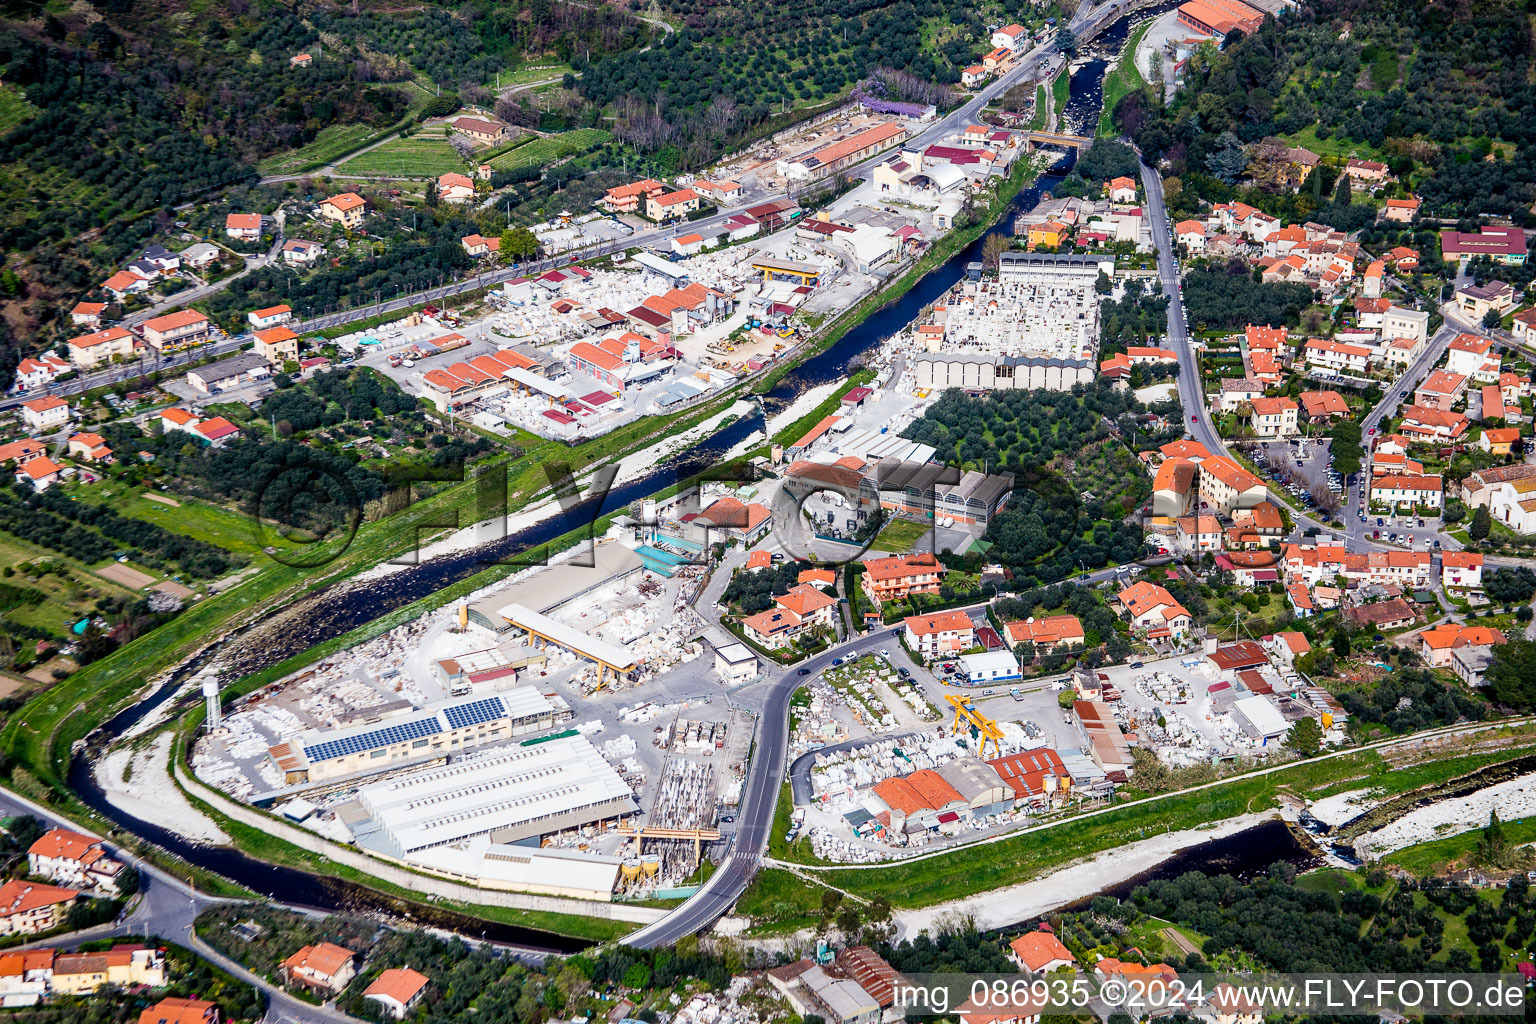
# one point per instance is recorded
(500, 741)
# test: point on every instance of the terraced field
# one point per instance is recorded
(420, 157)
(546, 151)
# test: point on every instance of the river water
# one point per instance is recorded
(342, 607)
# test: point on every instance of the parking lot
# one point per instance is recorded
(1300, 466)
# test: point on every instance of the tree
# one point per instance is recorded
(1229, 161)
(1305, 737)
(1102, 285)
(1492, 320)
(1341, 645)
(1342, 194)
(1493, 847)
(431, 194)
(519, 244)
(1066, 41)
(992, 247)
(1512, 675)
(1482, 523)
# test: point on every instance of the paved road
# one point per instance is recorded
(168, 906)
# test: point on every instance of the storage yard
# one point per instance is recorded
(499, 741)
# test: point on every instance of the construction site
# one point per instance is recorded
(560, 732)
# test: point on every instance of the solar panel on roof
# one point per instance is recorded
(373, 739)
(475, 712)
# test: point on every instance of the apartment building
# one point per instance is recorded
(941, 634)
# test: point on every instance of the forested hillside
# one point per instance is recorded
(1442, 92)
(117, 112)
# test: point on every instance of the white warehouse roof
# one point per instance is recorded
(1266, 719)
(509, 794)
(553, 871)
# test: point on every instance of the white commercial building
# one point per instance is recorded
(991, 667)
(1260, 719)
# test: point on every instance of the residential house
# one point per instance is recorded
(1499, 441)
(973, 75)
(478, 245)
(1369, 172)
(1228, 487)
(41, 473)
(1508, 491)
(45, 415)
(397, 990)
(1274, 417)
(454, 187)
(893, 578)
(1523, 326)
(298, 252)
(1478, 300)
(272, 316)
(481, 130)
(1399, 491)
(1010, 37)
(1153, 609)
(177, 331)
(1441, 390)
(1287, 647)
(89, 447)
(40, 371)
(1121, 190)
(1401, 211)
(347, 209)
(1335, 355)
(1438, 644)
(671, 204)
(627, 198)
(1237, 392)
(1017, 1005)
(1323, 406)
(1040, 952)
(722, 193)
(325, 966)
(1172, 487)
(1423, 424)
(89, 351)
(940, 634)
(124, 965)
(1404, 258)
(63, 855)
(87, 314)
(277, 346)
(27, 908)
(1461, 569)
(1191, 235)
(174, 1010)
(123, 284)
(1046, 633)
(1195, 535)
(244, 226)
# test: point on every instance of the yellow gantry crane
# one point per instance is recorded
(983, 728)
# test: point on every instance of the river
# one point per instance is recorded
(342, 607)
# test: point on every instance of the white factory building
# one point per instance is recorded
(507, 795)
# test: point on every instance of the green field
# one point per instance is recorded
(232, 531)
(546, 151)
(1425, 858)
(423, 156)
(65, 598)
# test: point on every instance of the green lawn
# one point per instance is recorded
(900, 535)
(1037, 119)
(543, 152)
(422, 156)
(64, 598)
(1061, 92)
